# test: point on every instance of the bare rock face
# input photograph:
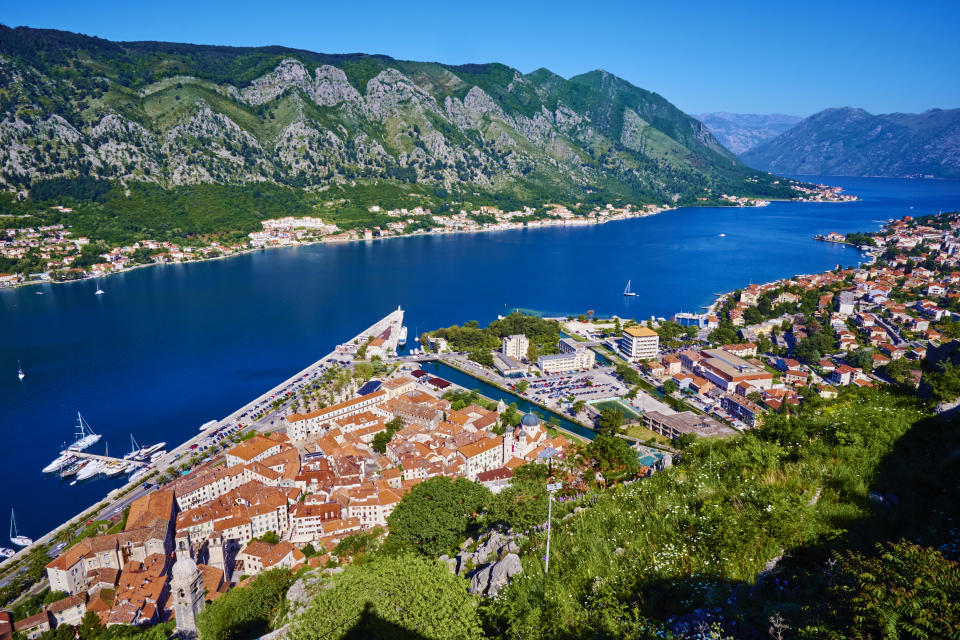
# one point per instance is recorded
(489, 580)
(311, 125)
(331, 88)
(289, 73)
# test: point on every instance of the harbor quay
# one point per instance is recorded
(387, 328)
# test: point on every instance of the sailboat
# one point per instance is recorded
(627, 291)
(86, 438)
(15, 537)
(134, 450)
(20, 374)
(99, 291)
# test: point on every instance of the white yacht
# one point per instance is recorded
(86, 438)
(147, 452)
(92, 468)
(59, 463)
(627, 291)
(99, 291)
(157, 455)
(15, 536)
(20, 374)
(402, 342)
(139, 473)
(114, 469)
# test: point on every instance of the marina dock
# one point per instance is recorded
(389, 326)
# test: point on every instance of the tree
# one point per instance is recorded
(270, 537)
(523, 504)
(944, 381)
(435, 516)
(392, 597)
(610, 421)
(578, 406)
(862, 358)
(670, 386)
(613, 457)
(903, 591)
(521, 386)
(246, 612)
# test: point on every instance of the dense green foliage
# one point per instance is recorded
(246, 612)
(90, 628)
(436, 515)
(544, 335)
(403, 597)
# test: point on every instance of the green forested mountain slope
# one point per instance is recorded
(180, 114)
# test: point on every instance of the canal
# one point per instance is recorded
(466, 381)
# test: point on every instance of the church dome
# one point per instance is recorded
(530, 420)
(184, 569)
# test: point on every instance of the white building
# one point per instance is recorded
(515, 346)
(568, 361)
(639, 343)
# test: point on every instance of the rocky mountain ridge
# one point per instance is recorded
(740, 132)
(174, 114)
(853, 142)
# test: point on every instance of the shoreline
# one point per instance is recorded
(538, 224)
(174, 454)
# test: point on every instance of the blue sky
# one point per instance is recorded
(761, 57)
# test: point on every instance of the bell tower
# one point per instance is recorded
(186, 586)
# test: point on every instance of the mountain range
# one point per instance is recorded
(182, 114)
(852, 142)
(740, 132)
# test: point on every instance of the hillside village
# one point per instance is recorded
(51, 252)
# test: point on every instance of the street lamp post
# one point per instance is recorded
(550, 489)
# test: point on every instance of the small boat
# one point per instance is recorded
(39, 293)
(723, 235)
(6, 552)
(208, 425)
(99, 291)
(627, 291)
(72, 468)
(20, 374)
(15, 536)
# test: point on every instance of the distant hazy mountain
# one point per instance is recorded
(852, 142)
(742, 131)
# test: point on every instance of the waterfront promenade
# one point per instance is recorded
(114, 502)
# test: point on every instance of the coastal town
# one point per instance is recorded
(52, 253)
(330, 454)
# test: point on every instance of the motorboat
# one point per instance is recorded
(61, 462)
(91, 469)
(20, 374)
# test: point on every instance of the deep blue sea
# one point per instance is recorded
(169, 348)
